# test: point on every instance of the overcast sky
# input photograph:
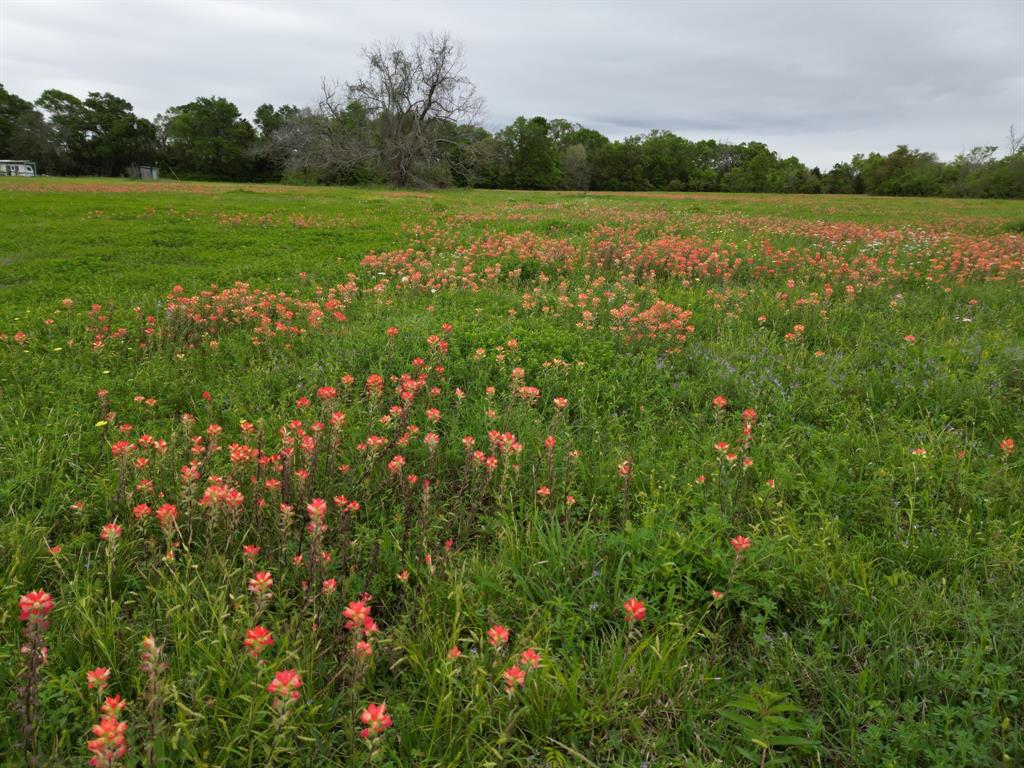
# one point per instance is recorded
(819, 80)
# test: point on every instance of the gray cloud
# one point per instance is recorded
(818, 80)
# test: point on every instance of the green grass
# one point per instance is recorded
(875, 619)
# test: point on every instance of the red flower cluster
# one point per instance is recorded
(376, 719)
(35, 607)
(285, 687)
(256, 640)
(635, 610)
(358, 618)
(110, 744)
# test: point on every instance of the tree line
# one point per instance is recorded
(411, 118)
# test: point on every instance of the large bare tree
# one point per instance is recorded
(416, 99)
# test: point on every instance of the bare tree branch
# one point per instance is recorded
(413, 95)
(409, 117)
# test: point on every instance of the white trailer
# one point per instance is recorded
(17, 168)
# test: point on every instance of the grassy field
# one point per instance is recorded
(561, 479)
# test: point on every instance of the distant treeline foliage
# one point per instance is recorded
(352, 137)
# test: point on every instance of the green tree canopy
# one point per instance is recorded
(208, 138)
(100, 135)
(531, 150)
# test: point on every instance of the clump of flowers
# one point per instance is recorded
(635, 610)
(167, 516)
(376, 720)
(360, 623)
(109, 744)
(514, 677)
(256, 640)
(358, 618)
(317, 526)
(35, 612)
(259, 586)
(530, 658)
(97, 678)
(740, 544)
(285, 687)
(111, 534)
(363, 650)
(497, 636)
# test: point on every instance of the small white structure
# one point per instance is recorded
(17, 168)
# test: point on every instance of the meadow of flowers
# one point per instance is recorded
(320, 477)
